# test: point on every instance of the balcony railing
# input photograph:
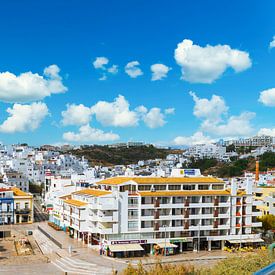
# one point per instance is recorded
(23, 211)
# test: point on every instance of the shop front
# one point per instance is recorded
(124, 250)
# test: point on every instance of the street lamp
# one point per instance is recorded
(165, 239)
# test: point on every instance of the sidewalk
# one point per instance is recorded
(62, 237)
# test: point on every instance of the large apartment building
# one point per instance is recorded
(131, 214)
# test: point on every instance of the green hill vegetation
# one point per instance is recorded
(245, 264)
(234, 168)
(104, 155)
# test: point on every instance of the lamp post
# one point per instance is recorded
(165, 240)
(199, 236)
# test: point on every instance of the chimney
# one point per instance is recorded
(257, 171)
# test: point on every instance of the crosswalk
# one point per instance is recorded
(77, 266)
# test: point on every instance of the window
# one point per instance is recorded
(207, 199)
(164, 200)
(217, 186)
(133, 201)
(133, 226)
(177, 199)
(160, 187)
(132, 214)
(188, 187)
(174, 187)
(144, 187)
(203, 187)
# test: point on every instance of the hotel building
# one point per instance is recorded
(127, 214)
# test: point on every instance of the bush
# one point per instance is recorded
(241, 265)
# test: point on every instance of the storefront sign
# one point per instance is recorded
(181, 240)
(129, 242)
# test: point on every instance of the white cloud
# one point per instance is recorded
(113, 69)
(266, 132)
(100, 62)
(76, 115)
(116, 113)
(133, 70)
(267, 97)
(234, 126)
(30, 86)
(24, 117)
(103, 77)
(141, 109)
(154, 118)
(206, 64)
(169, 111)
(272, 43)
(89, 134)
(211, 109)
(159, 71)
(196, 138)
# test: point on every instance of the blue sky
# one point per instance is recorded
(237, 67)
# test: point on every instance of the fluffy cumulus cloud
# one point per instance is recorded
(159, 71)
(133, 70)
(213, 113)
(30, 86)
(24, 118)
(100, 62)
(76, 115)
(211, 109)
(272, 43)
(88, 134)
(234, 126)
(154, 118)
(267, 132)
(206, 64)
(267, 97)
(196, 138)
(116, 113)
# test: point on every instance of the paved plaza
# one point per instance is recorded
(48, 258)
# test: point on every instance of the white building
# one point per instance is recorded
(186, 213)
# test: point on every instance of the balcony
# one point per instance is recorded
(111, 218)
(216, 213)
(23, 211)
(187, 203)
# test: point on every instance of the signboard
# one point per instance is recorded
(189, 172)
(129, 242)
(181, 240)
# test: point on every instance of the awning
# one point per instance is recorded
(257, 240)
(125, 247)
(167, 245)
